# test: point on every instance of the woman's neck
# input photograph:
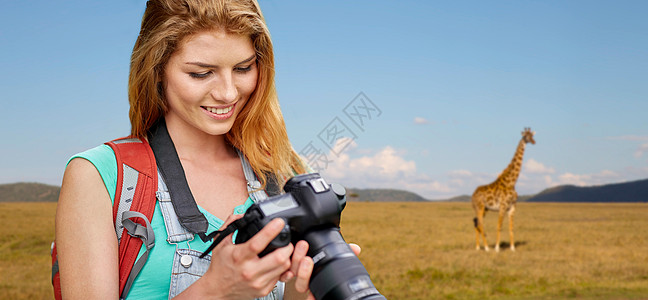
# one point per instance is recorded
(193, 144)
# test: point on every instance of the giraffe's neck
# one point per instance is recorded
(510, 175)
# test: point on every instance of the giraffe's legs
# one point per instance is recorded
(479, 228)
(477, 233)
(500, 220)
(510, 214)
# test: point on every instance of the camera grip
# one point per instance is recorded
(281, 240)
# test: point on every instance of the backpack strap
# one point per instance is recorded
(56, 277)
(132, 210)
(134, 205)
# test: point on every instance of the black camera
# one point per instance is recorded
(311, 209)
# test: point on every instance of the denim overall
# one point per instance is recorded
(187, 266)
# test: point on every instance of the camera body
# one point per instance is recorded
(311, 209)
(309, 203)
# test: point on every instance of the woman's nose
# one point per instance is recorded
(224, 90)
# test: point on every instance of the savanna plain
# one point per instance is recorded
(426, 251)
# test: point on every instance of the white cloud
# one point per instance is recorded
(640, 151)
(531, 183)
(460, 173)
(386, 163)
(384, 168)
(533, 179)
(573, 179)
(603, 177)
(419, 120)
(388, 167)
(547, 180)
(535, 167)
(465, 182)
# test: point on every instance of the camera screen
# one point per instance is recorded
(277, 205)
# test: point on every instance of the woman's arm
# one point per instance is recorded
(85, 235)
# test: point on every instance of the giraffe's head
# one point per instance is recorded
(527, 135)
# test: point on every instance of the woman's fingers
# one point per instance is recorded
(261, 239)
(270, 267)
(304, 271)
(301, 267)
(276, 263)
(355, 248)
(301, 249)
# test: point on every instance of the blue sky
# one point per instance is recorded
(452, 85)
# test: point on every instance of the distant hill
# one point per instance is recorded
(28, 192)
(382, 195)
(38, 192)
(634, 191)
(462, 198)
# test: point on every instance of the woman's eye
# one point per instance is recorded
(199, 75)
(243, 69)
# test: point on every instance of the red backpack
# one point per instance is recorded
(132, 210)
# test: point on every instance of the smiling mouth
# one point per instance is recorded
(219, 111)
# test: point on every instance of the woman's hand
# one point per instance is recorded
(237, 271)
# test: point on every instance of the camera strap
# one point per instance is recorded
(171, 169)
(220, 235)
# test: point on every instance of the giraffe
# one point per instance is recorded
(500, 195)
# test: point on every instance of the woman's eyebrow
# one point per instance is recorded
(248, 59)
(205, 65)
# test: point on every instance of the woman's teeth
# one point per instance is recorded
(219, 111)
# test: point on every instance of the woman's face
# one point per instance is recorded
(208, 80)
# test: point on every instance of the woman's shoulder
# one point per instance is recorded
(101, 153)
(103, 159)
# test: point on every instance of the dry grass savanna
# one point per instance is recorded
(426, 251)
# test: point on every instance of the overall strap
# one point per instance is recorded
(253, 185)
(175, 232)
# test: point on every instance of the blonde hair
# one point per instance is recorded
(259, 130)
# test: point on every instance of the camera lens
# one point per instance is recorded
(338, 274)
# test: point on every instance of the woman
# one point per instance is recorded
(204, 71)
